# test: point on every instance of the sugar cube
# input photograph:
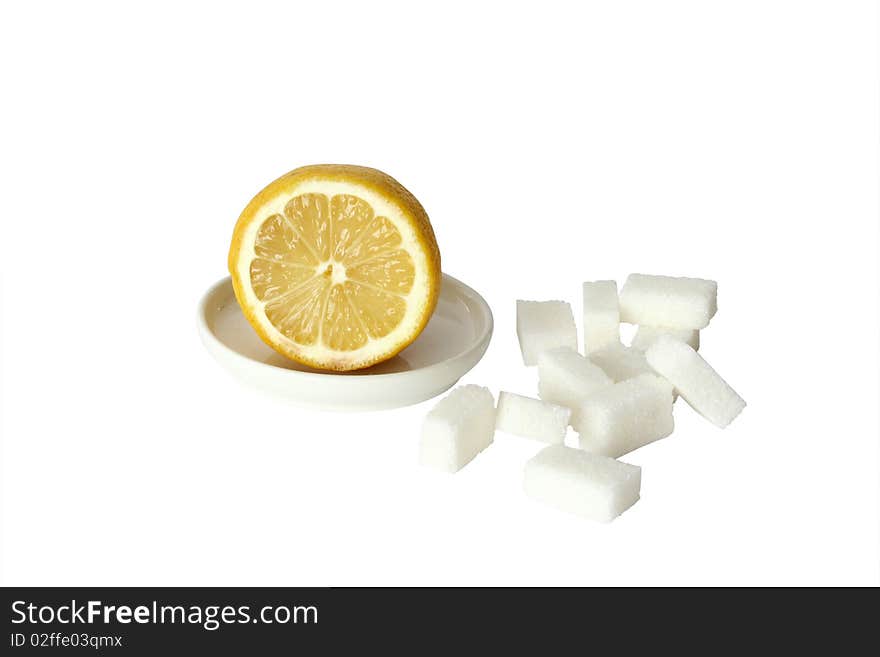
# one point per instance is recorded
(625, 416)
(565, 378)
(621, 363)
(687, 303)
(589, 485)
(531, 418)
(646, 335)
(695, 380)
(542, 325)
(458, 428)
(601, 315)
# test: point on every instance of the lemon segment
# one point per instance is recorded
(335, 266)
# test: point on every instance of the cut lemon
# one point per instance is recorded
(335, 266)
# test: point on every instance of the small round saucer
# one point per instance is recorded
(452, 343)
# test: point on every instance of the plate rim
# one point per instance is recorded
(481, 342)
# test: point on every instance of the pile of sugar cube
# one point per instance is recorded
(617, 398)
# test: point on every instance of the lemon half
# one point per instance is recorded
(335, 266)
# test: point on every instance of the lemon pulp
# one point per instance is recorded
(329, 279)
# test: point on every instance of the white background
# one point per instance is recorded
(551, 143)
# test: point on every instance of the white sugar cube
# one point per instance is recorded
(542, 325)
(621, 363)
(618, 419)
(458, 428)
(687, 303)
(646, 336)
(565, 378)
(589, 485)
(695, 380)
(531, 418)
(601, 315)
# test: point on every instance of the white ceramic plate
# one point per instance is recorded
(452, 343)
